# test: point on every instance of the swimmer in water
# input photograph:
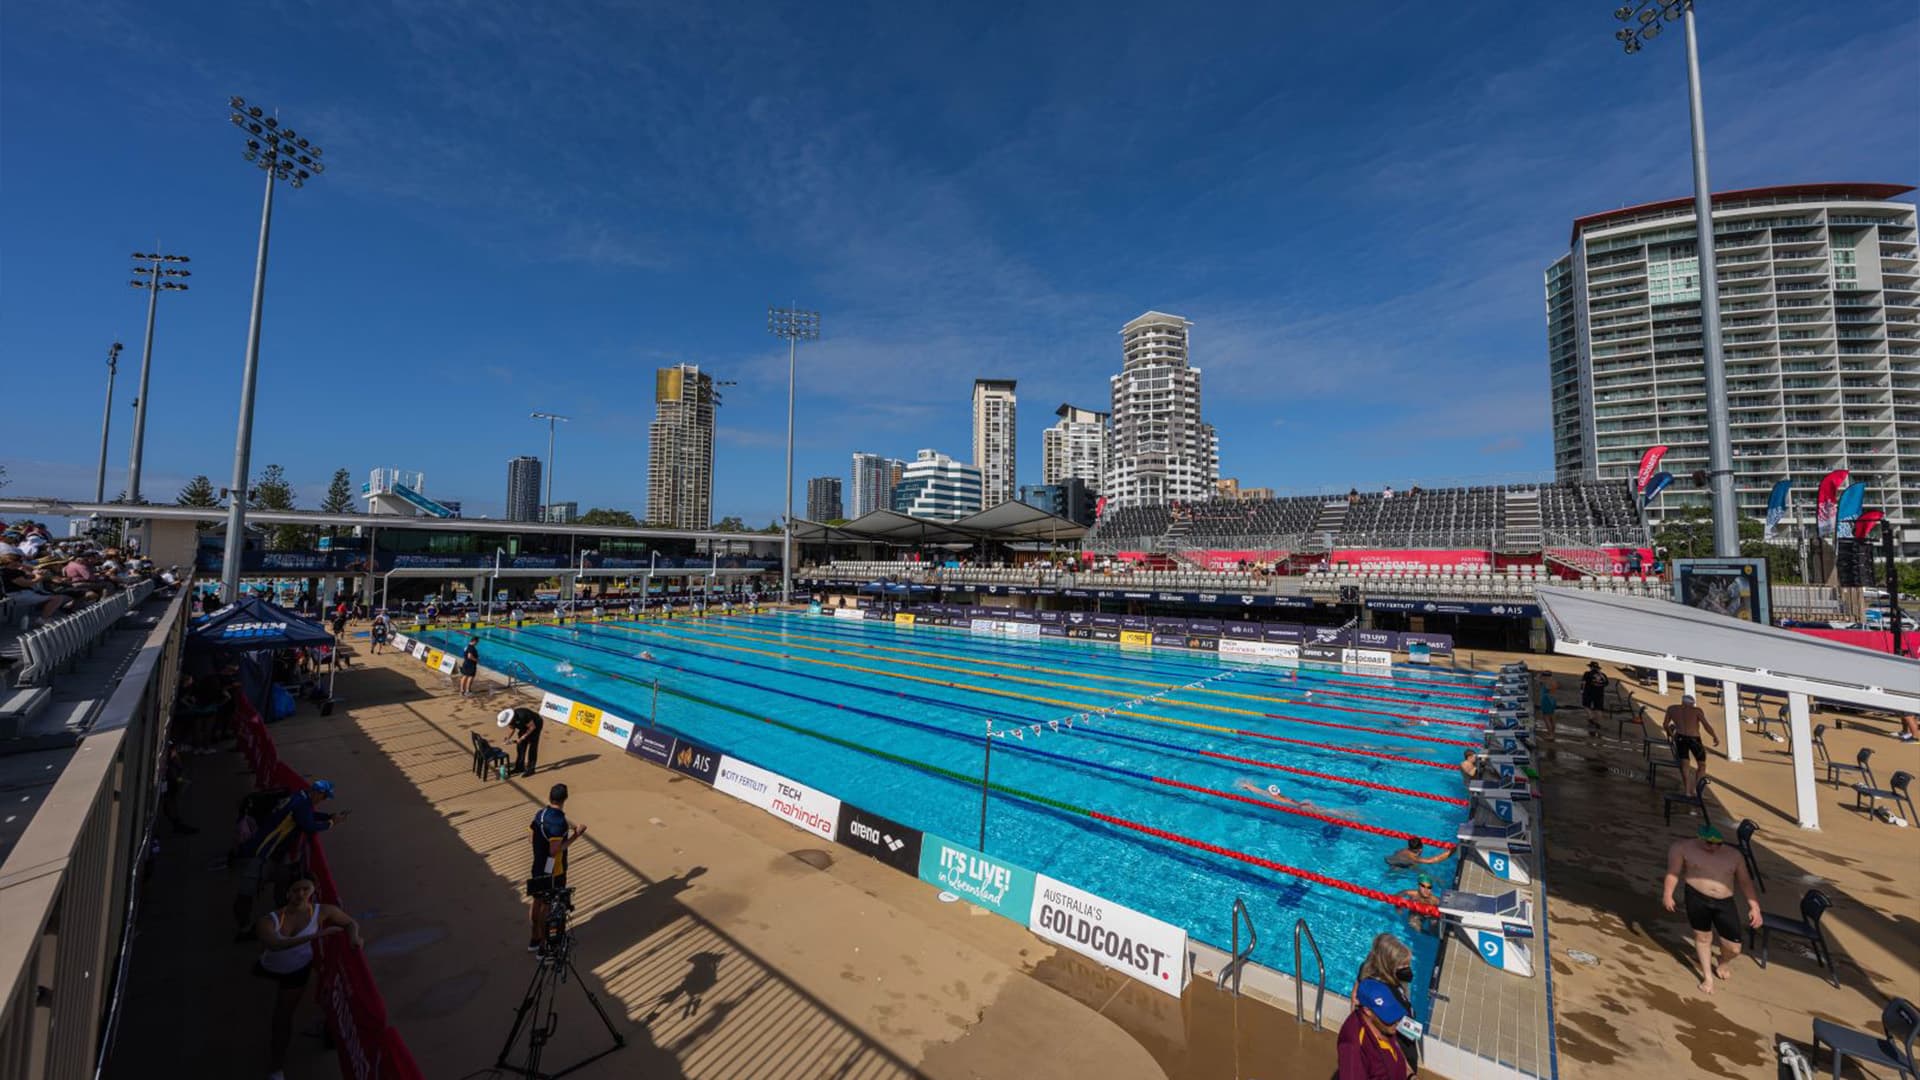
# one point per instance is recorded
(1272, 791)
(645, 655)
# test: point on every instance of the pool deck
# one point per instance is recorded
(724, 942)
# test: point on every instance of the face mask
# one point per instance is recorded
(1404, 974)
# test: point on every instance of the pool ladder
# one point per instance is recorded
(1239, 957)
(1299, 985)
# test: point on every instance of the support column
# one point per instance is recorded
(1730, 702)
(1800, 738)
(1686, 684)
(1663, 682)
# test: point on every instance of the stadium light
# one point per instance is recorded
(546, 509)
(1644, 21)
(283, 154)
(793, 324)
(159, 275)
(106, 422)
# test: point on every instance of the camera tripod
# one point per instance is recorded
(556, 965)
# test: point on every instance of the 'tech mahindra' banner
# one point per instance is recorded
(797, 804)
(1649, 461)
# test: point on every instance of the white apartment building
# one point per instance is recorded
(1159, 449)
(680, 448)
(995, 439)
(1075, 446)
(872, 483)
(1820, 328)
(937, 487)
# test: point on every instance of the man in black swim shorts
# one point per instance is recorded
(1712, 872)
(1684, 723)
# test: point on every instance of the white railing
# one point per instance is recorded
(44, 649)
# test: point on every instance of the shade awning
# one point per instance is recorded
(1010, 521)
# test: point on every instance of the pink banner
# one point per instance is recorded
(1231, 560)
(1876, 640)
(1828, 500)
(1864, 524)
(1649, 461)
(1426, 557)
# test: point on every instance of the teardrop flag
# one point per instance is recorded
(1649, 461)
(1864, 524)
(1655, 486)
(1826, 501)
(1776, 507)
(1851, 502)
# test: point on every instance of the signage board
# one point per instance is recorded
(1736, 588)
(1321, 652)
(978, 878)
(555, 707)
(1135, 637)
(584, 717)
(651, 743)
(1138, 946)
(1268, 651)
(692, 759)
(880, 838)
(616, 730)
(799, 805)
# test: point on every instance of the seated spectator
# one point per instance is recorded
(27, 587)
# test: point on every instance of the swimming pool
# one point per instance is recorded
(1358, 761)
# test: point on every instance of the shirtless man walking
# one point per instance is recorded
(1684, 723)
(1711, 871)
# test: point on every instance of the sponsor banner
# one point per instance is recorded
(1000, 887)
(420, 650)
(1053, 631)
(1259, 650)
(1321, 652)
(1024, 615)
(847, 613)
(1435, 643)
(1164, 625)
(903, 619)
(1367, 657)
(1100, 618)
(1135, 637)
(402, 642)
(1139, 946)
(1176, 641)
(446, 663)
(1204, 644)
(1288, 632)
(880, 838)
(874, 613)
(1207, 627)
(1243, 630)
(1135, 622)
(1430, 557)
(556, 708)
(651, 743)
(432, 657)
(1051, 617)
(1376, 639)
(616, 730)
(584, 717)
(1102, 633)
(692, 759)
(1453, 607)
(1329, 635)
(1024, 629)
(797, 804)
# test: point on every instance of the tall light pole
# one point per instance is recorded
(793, 324)
(550, 418)
(1645, 20)
(282, 154)
(106, 422)
(153, 277)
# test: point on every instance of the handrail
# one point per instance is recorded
(1299, 985)
(1239, 957)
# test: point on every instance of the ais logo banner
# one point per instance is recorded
(1000, 887)
(694, 760)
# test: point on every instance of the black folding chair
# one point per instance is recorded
(1896, 790)
(1676, 798)
(1900, 1021)
(1859, 767)
(1743, 839)
(1820, 755)
(1812, 906)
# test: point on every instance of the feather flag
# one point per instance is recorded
(1864, 524)
(1851, 502)
(1655, 486)
(1776, 507)
(1825, 503)
(1649, 461)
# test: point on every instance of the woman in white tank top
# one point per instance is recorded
(288, 932)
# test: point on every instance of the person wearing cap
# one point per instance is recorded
(1593, 696)
(1390, 963)
(1710, 873)
(297, 816)
(1684, 723)
(523, 731)
(1410, 856)
(1369, 1042)
(1422, 893)
(469, 666)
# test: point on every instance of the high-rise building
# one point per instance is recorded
(1159, 448)
(823, 499)
(1228, 487)
(1820, 329)
(935, 486)
(523, 489)
(1075, 446)
(560, 513)
(872, 484)
(680, 448)
(1070, 498)
(995, 439)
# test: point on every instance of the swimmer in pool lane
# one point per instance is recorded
(1272, 791)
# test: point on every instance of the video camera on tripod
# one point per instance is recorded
(554, 937)
(538, 1014)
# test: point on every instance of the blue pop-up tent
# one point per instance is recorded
(253, 626)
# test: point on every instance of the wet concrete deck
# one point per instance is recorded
(724, 942)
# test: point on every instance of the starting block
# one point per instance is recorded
(1497, 927)
(1507, 770)
(1504, 865)
(1513, 742)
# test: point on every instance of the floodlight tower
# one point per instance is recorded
(793, 324)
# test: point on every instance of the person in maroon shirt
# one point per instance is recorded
(1369, 1046)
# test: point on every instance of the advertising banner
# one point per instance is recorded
(1203, 644)
(433, 657)
(1024, 615)
(1649, 461)
(1287, 632)
(651, 743)
(584, 717)
(800, 806)
(978, 878)
(1052, 631)
(1135, 637)
(1164, 625)
(903, 619)
(1051, 617)
(692, 759)
(402, 642)
(1103, 633)
(1204, 627)
(1376, 639)
(1174, 641)
(1435, 643)
(1453, 607)
(1776, 507)
(1329, 635)
(1321, 652)
(1732, 587)
(847, 613)
(446, 663)
(1139, 946)
(616, 730)
(1134, 622)
(880, 838)
(1102, 619)
(554, 707)
(1247, 630)
(1367, 657)
(1259, 650)
(420, 649)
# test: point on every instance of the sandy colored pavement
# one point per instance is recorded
(1635, 1008)
(723, 942)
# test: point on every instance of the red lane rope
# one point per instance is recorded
(1474, 724)
(1414, 906)
(1331, 819)
(1296, 770)
(1401, 701)
(1398, 679)
(1377, 731)
(1383, 755)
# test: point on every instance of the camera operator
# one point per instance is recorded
(551, 838)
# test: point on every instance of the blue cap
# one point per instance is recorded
(324, 787)
(1380, 1001)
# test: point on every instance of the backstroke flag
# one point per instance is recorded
(1776, 507)
(1825, 502)
(1864, 524)
(1649, 461)
(1851, 502)
(1655, 486)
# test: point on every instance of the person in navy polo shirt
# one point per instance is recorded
(551, 835)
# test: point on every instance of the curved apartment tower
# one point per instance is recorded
(1159, 449)
(1820, 324)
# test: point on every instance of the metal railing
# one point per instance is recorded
(1239, 957)
(1300, 927)
(70, 886)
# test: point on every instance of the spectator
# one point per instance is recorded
(1390, 963)
(288, 932)
(1369, 1045)
(296, 817)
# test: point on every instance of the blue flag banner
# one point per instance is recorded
(1776, 507)
(1655, 486)
(1852, 501)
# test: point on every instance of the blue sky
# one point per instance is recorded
(531, 206)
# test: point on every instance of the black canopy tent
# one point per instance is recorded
(252, 626)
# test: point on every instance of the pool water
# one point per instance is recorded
(927, 694)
